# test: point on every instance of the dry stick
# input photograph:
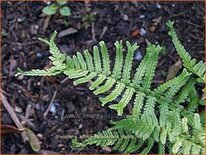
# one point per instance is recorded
(64, 80)
(27, 122)
(50, 104)
(103, 32)
(14, 117)
(93, 32)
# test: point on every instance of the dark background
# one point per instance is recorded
(23, 23)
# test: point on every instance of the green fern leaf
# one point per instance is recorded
(97, 60)
(105, 59)
(89, 60)
(118, 60)
(189, 63)
(114, 94)
(120, 139)
(157, 115)
(138, 104)
(152, 63)
(97, 82)
(128, 62)
(37, 72)
(123, 102)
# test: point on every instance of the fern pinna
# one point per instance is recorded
(158, 116)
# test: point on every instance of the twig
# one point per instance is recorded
(5, 93)
(171, 57)
(25, 44)
(50, 104)
(178, 14)
(93, 32)
(64, 80)
(193, 24)
(103, 32)
(14, 117)
(27, 122)
(157, 81)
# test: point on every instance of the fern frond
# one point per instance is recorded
(114, 94)
(189, 63)
(105, 59)
(85, 79)
(97, 60)
(69, 62)
(119, 139)
(164, 110)
(161, 148)
(123, 102)
(85, 68)
(193, 99)
(37, 72)
(140, 71)
(81, 61)
(147, 67)
(101, 78)
(149, 146)
(183, 95)
(172, 85)
(157, 115)
(107, 86)
(143, 127)
(56, 56)
(89, 60)
(191, 143)
(152, 63)
(116, 73)
(138, 104)
(128, 62)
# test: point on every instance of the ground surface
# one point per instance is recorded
(77, 111)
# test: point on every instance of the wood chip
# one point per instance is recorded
(67, 32)
(135, 33)
(46, 22)
(12, 67)
(107, 149)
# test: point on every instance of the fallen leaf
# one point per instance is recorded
(33, 96)
(6, 129)
(174, 69)
(33, 140)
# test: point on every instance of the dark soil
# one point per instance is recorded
(76, 110)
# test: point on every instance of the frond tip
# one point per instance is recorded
(197, 68)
